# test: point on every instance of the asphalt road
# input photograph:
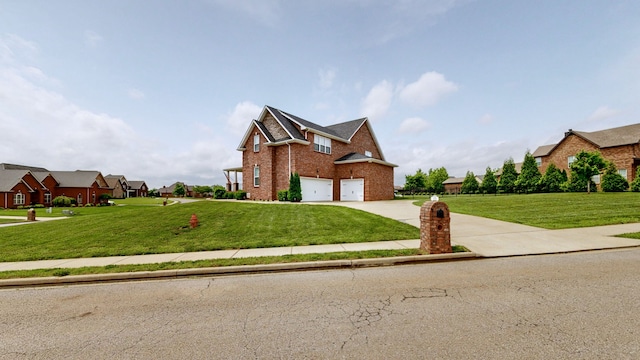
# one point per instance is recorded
(570, 306)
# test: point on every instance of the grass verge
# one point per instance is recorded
(348, 255)
(549, 211)
(134, 230)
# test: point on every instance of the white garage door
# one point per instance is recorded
(352, 190)
(316, 189)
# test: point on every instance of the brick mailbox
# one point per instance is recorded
(435, 234)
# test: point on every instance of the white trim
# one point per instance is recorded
(369, 160)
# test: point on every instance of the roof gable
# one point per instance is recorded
(79, 178)
(624, 135)
(10, 178)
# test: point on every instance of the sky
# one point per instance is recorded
(163, 91)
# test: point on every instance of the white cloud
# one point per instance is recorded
(135, 94)
(92, 39)
(428, 90)
(603, 113)
(413, 125)
(327, 76)
(486, 119)
(377, 102)
(239, 119)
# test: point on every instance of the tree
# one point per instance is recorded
(585, 166)
(635, 184)
(153, 193)
(529, 177)
(612, 181)
(436, 179)
(507, 183)
(295, 189)
(489, 182)
(553, 179)
(469, 184)
(416, 182)
(203, 190)
(179, 190)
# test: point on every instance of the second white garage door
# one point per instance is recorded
(352, 190)
(316, 189)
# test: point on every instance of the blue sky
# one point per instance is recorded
(164, 90)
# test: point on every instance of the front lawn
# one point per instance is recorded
(132, 230)
(550, 211)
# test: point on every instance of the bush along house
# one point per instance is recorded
(341, 162)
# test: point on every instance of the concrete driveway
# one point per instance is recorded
(493, 238)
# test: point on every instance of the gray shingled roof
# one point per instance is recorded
(619, 136)
(342, 131)
(353, 156)
(136, 184)
(10, 178)
(347, 129)
(5, 166)
(543, 150)
(78, 178)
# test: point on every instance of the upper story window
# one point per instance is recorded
(539, 161)
(367, 153)
(570, 160)
(256, 143)
(321, 144)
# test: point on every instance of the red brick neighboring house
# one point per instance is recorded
(167, 191)
(619, 145)
(138, 188)
(82, 185)
(20, 188)
(338, 162)
(119, 186)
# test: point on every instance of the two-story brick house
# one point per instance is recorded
(338, 162)
(619, 145)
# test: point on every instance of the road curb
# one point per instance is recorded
(232, 270)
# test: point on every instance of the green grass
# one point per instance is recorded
(132, 230)
(549, 211)
(347, 255)
(141, 201)
(10, 221)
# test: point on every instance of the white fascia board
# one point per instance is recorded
(248, 133)
(373, 135)
(289, 141)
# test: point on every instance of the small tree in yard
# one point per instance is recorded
(295, 189)
(489, 182)
(586, 165)
(179, 190)
(507, 183)
(635, 184)
(436, 179)
(469, 184)
(416, 182)
(612, 181)
(529, 177)
(553, 179)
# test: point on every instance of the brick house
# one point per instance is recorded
(119, 185)
(338, 162)
(82, 185)
(20, 188)
(619, 145)
(138, 188)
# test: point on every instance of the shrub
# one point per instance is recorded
(240, 195)
(635, 184)
(62, 200)
(283, 195)
(105, 196)
(612, 181)
(295, 189)
(219, 193)
(38, 206)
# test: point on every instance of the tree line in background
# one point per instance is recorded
(586, 166)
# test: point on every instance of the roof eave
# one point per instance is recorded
(369, 160)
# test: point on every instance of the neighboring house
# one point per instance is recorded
(167, 191)
(20, 188)
(619, 145)
(119, 185)
(84, 186)
(338, 162)
(453, 185)
(138, 188)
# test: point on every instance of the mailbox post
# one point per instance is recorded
(435, 234)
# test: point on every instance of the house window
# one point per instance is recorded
(570, 160)
(367, 153)
(47, 198)
(18, 199)
(256, 176)
(79, 199)
(321, 144)
(539, 161)
(256, 143)
(623, 172)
